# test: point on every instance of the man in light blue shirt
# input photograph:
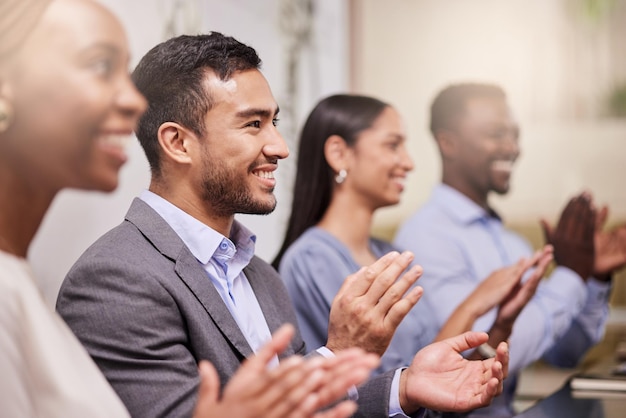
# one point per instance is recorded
(460, 240)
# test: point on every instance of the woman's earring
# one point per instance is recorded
(6, 115)
(341, 176)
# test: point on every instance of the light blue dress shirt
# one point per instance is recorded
(224, 261)
(459, 244)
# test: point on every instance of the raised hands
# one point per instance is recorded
(439, 378)
(610, 246)
(511, 306)
(573, 237)
(503, 288)
(297, 387)
(372, 302)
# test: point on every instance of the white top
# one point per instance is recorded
(44, 371)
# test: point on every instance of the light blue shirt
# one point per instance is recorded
(459, 244)
(313, 269)
(224, 261)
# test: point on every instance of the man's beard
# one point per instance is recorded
(228, 194)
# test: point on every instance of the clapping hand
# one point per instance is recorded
(610, 246)
(573, 237)
(439, 378)
(297, 387)
(372, 302)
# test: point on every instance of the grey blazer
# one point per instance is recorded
(143, 307)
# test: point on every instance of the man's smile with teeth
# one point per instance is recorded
(502, 165)
(264, 174)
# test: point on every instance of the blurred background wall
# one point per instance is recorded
(304, 48)
(560, 62)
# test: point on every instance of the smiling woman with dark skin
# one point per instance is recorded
(67, 106)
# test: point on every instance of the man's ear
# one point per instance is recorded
(336, 153)
(175, 142)
(447, 143)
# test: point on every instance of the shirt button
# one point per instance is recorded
(223, 246)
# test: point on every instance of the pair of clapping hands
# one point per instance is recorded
(583, 244)
(579, 241)
(364, 316)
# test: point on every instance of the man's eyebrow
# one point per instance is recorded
(264, 113)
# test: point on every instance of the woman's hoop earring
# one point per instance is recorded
(6, 115)
(341, 176)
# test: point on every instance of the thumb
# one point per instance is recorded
(279, 342)
(467, 340)
(547, 230)
(601, 217)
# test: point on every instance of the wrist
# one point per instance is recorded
(603, 277)
(406, 405)
(472, 311)
(502, 326)
(583, 274)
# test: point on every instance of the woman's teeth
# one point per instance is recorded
(120, 141)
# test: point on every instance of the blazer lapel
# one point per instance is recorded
(159, 233)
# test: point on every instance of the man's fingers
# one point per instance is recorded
(601, 217)
(208, 392)
(573, 217)
(397, 290)
(384, 280)
(350, 368)
(279, 342)
(326, 381)
(402, 307)
(547, 230)
(542, 257)
(282, 388)
(342, 410)
(467, 340)
(359, 283)
(502, 356)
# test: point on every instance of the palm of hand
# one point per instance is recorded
(443, 380)
(493, 290)
(610, 250)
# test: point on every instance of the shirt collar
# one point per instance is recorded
(460, 207)
(202, 240)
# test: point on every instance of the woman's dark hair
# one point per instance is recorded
(343, 115)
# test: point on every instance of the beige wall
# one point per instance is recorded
(406, 51)
(557, 63)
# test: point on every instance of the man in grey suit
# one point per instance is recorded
(178, 281)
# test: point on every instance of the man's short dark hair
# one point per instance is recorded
(450, 103)
(171, 77)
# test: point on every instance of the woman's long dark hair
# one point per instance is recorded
(343, 115)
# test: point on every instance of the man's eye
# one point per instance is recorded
(275, 121)
(255, 124)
